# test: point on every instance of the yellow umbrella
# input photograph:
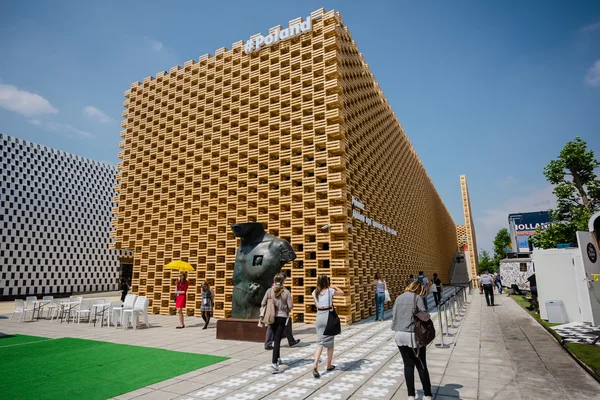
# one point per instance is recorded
(179, 265)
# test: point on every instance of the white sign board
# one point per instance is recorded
(258, 42)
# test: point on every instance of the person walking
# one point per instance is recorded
(380, 288)
(405, 307)
(124, 290)
(208, 301)
(282, 300)
(487, 281)
(323, 296)
(411, 278)
(532, 283)
(499, 282)
(426, 284)
(287, 331)
(437, 289)
(180, 297)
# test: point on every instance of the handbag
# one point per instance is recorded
(424, 328)
(334, 326)
(269, 314)
(387, 296)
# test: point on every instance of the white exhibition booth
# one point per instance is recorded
(571, 275)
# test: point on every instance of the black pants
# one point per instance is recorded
(278, 327)
(287, 332)
(489, 294)
(437, 297)
(410, 362)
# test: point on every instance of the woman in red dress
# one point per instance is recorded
(180, 296)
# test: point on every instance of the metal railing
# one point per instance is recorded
(455, 305)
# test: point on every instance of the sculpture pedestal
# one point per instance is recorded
(246, 330)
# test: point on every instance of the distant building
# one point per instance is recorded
(55, 215)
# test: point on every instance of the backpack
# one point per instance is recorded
(424, 329)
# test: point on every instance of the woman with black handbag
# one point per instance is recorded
(406, 308)
(328, 323)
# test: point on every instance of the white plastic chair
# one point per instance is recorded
(49, 306)
(127, 305)
(20, 309)
(84, 308)
(111, 310)
(139, 309)
(29, 301)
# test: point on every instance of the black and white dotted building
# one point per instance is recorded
(55, 219)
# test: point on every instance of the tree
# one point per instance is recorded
(577, 191)
(501, 242)
(485, 262)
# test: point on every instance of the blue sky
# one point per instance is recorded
(492, 91)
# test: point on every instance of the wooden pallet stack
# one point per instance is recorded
(285, 136)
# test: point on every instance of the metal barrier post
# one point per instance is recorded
(441, 345)
(456, 307)
(457, 313)
(448, 334)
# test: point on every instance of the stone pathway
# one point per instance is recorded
(494, 353)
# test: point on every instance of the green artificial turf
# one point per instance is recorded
(12, 340)
(85, 369)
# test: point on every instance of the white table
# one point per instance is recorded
(70, 305)
(40, 304)
(103, 307)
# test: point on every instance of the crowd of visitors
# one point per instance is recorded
(406, 306)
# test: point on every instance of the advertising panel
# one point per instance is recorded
(525, 225)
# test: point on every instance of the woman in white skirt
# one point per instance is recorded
(323, 296)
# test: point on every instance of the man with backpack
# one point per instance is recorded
(427, 285)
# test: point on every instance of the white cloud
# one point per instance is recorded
(592, 77)
(491, 220)
(590, 28)
(155, 44)
(24, 102)
(65, 129)
(95, 113)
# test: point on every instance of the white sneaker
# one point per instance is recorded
(411, 397)
(427, 398)
(274, 368)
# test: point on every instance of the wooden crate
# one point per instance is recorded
(285, 136)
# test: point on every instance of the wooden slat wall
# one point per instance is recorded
(266, 137)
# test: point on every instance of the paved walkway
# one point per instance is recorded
(503, 353)
(496, 353)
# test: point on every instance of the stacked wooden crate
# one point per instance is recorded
(284, 136)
